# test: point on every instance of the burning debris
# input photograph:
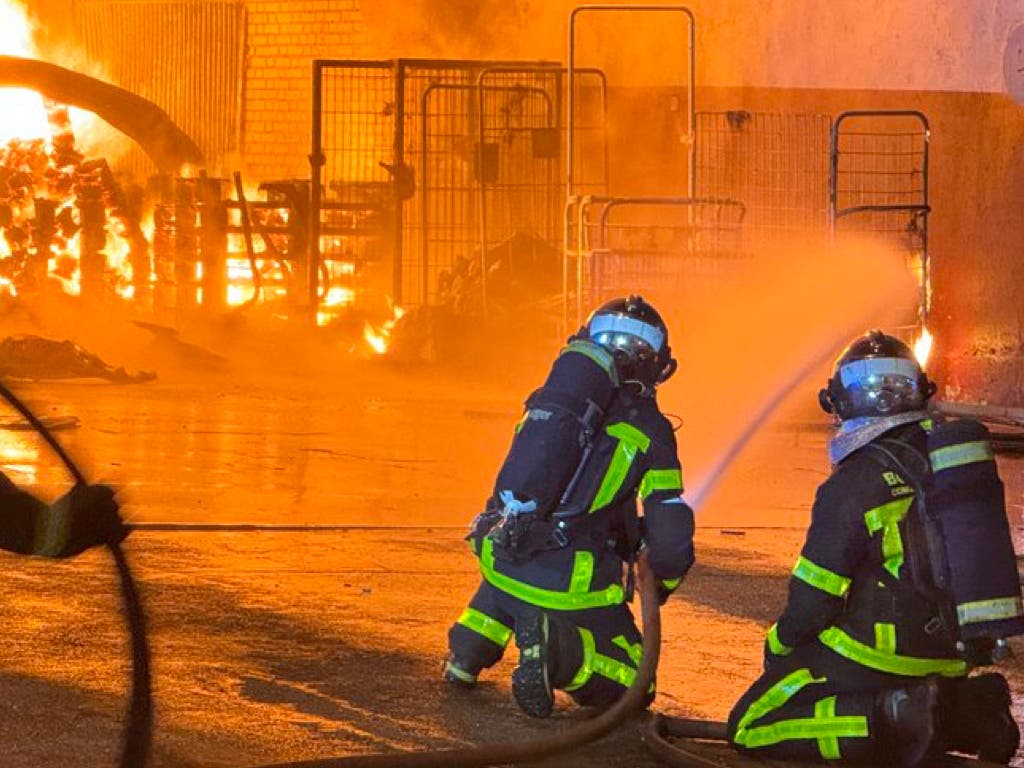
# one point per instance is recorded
(34, 357)
(64, 220)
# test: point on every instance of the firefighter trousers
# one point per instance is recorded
(814, 705)
(593, 653)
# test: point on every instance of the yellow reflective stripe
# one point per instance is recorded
(53, 527)
(671, 583)
(484, 625)
(522, 421)
(586, 670)
(775, 645)
(546, 598)
(595, 352)
(776, 696)
(582, 571)
(462, 674)
(597, 663)
(848, 726)
(885, 637)
(962, 453)
(886, 517)
(911, 666)
(825, 709)
(630, 440)
(635, 651)
(821, 578)
(989, 610)
(660, 480)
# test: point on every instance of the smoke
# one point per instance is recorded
(755, 337)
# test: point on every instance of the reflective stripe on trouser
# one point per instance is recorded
(811, 705)
(480, 635)
(474, 640)
(598, 652)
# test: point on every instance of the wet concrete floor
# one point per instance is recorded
(273, 646)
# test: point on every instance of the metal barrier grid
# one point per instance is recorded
(878, 183)
(397, 150)
(353, 195)
(487, 160)
(650, 244)
(777, 164)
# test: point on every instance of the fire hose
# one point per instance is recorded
(139, 723)
(503, 753)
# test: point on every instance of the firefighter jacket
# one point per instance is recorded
(853, 586)
(580, 563)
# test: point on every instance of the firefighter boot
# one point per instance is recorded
(908, 721)
(457, 672)
(977, 710)
(531, 681)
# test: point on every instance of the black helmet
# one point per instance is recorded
(633, 331)
(876, 375)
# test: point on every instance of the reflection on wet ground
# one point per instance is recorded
(274, 646)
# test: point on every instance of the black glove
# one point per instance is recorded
(94, 519)
(482, 525)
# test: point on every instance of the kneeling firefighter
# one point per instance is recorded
(906, 581)
(560, 533)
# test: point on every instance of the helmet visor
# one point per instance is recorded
(882, 385)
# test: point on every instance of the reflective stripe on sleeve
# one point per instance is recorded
(660, 480)
(53, 527)
(821, 578)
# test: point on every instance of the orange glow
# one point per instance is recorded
(380, 338)
(923, 347)
(23, 111)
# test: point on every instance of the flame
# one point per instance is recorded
(923, 347)
(380, 338)
(23, 110)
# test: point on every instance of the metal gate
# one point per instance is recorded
(625, 244)
(878, 183)
(449, 165)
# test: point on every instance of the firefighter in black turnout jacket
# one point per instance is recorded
(86, 516)
(906, 581)
(559, 535)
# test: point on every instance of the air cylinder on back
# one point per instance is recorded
(551, 438)
(968, 502)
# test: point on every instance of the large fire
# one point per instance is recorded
(67, 224)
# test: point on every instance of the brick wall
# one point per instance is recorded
(284, 37)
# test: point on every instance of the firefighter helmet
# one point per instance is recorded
(876, 375)
(633, 331)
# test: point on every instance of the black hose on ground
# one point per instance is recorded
(138, 728)
(660, 728)
(504, 753)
